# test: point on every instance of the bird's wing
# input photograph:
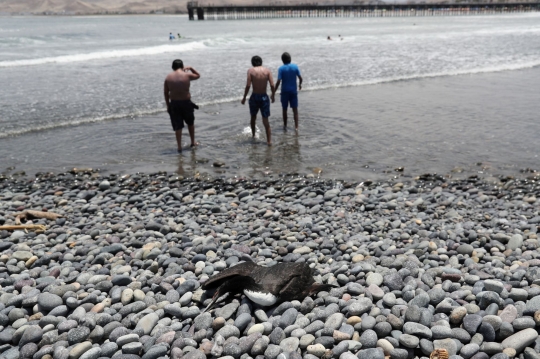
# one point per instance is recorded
(293, 290)
(300, 286)
(278, 277)
(242, 269)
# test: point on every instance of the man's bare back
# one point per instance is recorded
(177, 84)
(178, 100)
(259, 77)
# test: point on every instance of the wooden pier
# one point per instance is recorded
(203, 12)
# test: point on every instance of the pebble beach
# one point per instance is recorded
(424, 264)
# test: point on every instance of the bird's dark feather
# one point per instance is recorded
(242, 269)
(277, 277)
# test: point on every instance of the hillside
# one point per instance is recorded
(79, 7)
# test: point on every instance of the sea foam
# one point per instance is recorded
(108, 54)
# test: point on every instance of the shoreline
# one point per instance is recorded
(431, 129)
(417, 266)
(217, 170)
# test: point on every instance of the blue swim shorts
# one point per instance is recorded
(289, 97)
(259, 102)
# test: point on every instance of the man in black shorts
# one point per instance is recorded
(178, 100)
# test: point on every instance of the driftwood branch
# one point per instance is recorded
(26, 227)
(30, 214)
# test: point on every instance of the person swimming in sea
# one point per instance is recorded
(179, 36)
(328, 38)
(171, 36)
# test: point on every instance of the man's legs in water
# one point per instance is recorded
(253, 128)
(295, 112)
(192, 135)
(284, 118)
(268, 131)
(179, 139)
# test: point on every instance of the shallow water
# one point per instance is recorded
(466, 123)
(427, 94)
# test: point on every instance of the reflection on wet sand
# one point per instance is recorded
(187, 164)
(283, 155)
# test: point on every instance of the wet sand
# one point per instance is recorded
(484, 124)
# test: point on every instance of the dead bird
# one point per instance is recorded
(266, 286)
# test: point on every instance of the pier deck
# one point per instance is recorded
(204, 12)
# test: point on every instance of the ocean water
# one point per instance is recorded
(428, 94)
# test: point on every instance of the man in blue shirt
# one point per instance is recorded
(289, 93)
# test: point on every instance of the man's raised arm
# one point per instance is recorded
(194, 75)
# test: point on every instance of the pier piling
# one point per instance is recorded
(205, 12)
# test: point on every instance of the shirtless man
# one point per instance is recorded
(178, 100)
(259, 76)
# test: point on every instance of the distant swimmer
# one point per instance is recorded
(259, 76)
(178, 100)
(171, 36)
(328, 38)
(289, 91)
(179, 36)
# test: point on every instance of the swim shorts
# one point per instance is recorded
(259, 101)
(181, 111)
(289, 97)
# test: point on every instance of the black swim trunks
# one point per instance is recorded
(258, 102)
(181, 111)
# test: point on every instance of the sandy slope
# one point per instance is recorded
(91, 6)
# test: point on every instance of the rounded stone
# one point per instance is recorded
(385, 345)
(289, 344)
(457, 315)
(93, 353)
(78, 335)
(409, 341)
(368, 339)
(399, 353)
(242, 321)
(49, 301)
(317, 349)
(374, 278)
(467, 351)
(306, 340)
(256, 328)
(372, 353)
(132, 348)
